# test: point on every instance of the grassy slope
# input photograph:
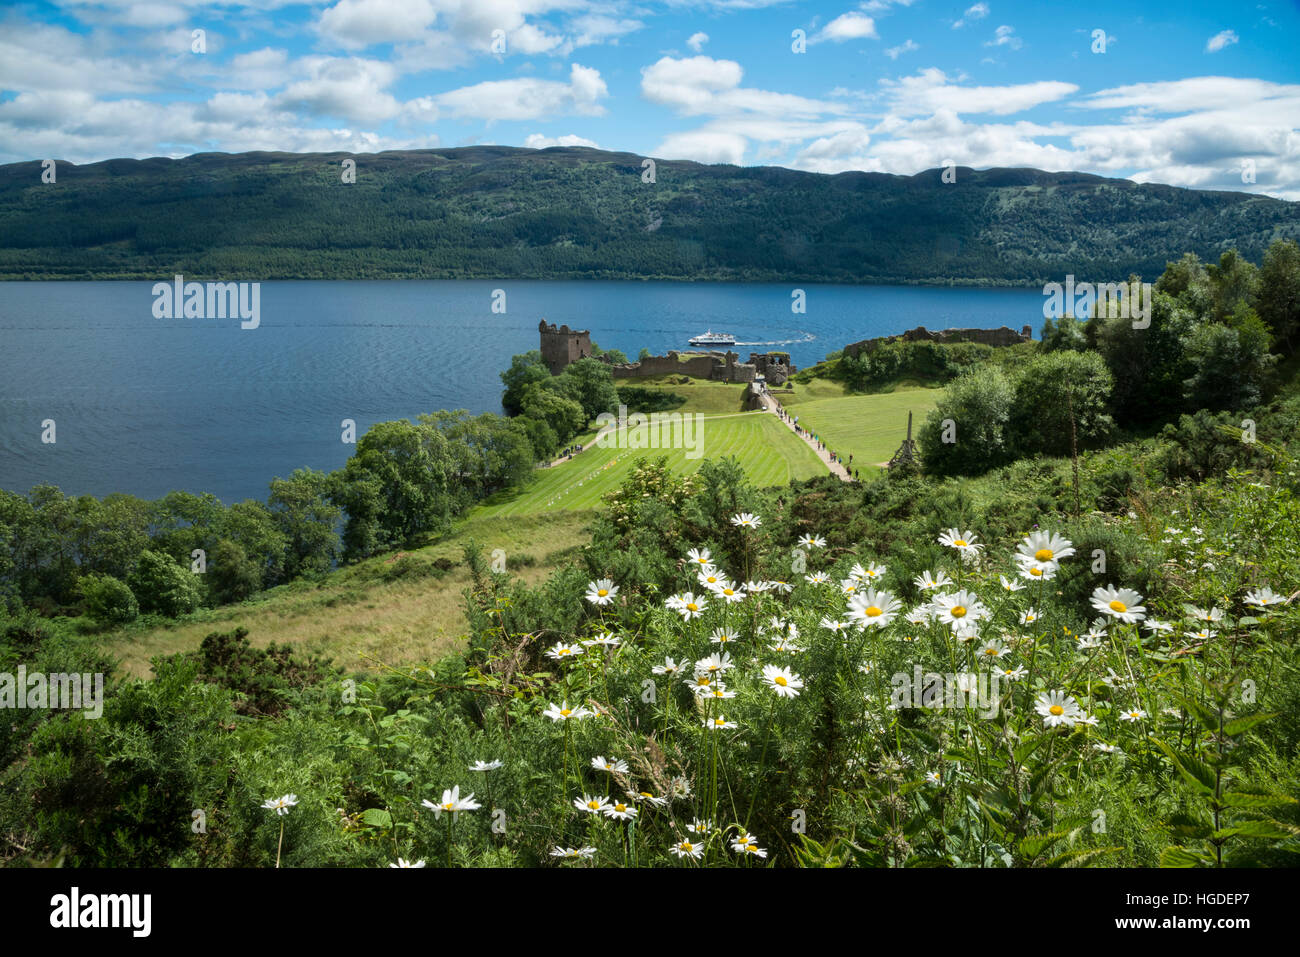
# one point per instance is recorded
(767, 450)
(355, 611)
(870, 427)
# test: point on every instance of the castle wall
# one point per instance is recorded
(562, 346)
(990, 337)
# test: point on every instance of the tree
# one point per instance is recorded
(232, 576)
(562, 415)
(525, 370)
(1233, 281)
(1278, 298)
(1229, 363)
(1148, 364)
(395, 487)
(1064, 333)
(966, 432)
(593, 386)
(308, 520)
(108, 600)
(1054, 388)
(162, 586)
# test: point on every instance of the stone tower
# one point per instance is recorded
(563, 345)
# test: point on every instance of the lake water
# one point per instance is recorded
(146, 405)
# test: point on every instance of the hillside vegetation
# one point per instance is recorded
(568, 212)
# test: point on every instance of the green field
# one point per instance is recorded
(769, 452)
(868, 427)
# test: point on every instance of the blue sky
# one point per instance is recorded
(1194, 93)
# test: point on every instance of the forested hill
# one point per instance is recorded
(500, 213)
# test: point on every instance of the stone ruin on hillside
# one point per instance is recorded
(562, 346)
(1002, 336)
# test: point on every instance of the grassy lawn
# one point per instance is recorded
(701, 395)
(767, 450)
(868, 427)
(395, 612)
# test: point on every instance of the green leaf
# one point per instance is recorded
(1238, 725)
(1265, 828)
(1077, 856)
(1178, 856)
(1034, 844)
(1197, 773)
(377, 817)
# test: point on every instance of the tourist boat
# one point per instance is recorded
(714, 339)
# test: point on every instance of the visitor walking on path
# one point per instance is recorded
(836, 469)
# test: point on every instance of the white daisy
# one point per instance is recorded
(1122, 603)
(1057, 708)
(873, 608)
(1043, 547)
(601, 592)
(783, 681)
(452, 802)
(746, 520)
(281, 805)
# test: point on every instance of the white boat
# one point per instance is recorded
(714, 339)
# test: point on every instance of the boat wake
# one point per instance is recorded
(807, 337)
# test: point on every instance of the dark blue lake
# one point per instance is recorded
(146, 405)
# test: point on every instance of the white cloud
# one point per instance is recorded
(905, 47)
(1005, 36)
(1220, 40)
(977, 12)
(847, 26)
(360, 23)
(931, 91)
(351, 89)
(528, 98)
(703, 146)
(702, 85)
(538, 141)
(697, 41)
(596, 28)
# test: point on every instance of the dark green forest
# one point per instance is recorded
(576, 213)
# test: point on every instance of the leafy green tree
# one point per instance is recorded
(1064, 333)
(594, 386)
(967, 431)
(395, 487)
(1229, 363)
(1278, 298)
(1148, 364)
(108, 600)
(232, 576)
(564, 416)
(525, 370)
(162, 586)
(1233, 281)
(308, 521)
(1050, 391)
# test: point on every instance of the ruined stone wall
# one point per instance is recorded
(1001, 336)
(711, 365)
(562, 346)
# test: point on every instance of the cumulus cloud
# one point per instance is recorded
(906, 46)
(847, 26)
(697, 41)
(931, 91)
(978, 12)
(1220, 40)
(528, 98)
(1005, 36)
(538, 141)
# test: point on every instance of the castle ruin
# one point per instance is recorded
(989, 337)
(774, 367)
(563, 346)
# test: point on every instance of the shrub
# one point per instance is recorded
(108, 600)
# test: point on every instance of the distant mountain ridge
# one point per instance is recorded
(495, 212)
